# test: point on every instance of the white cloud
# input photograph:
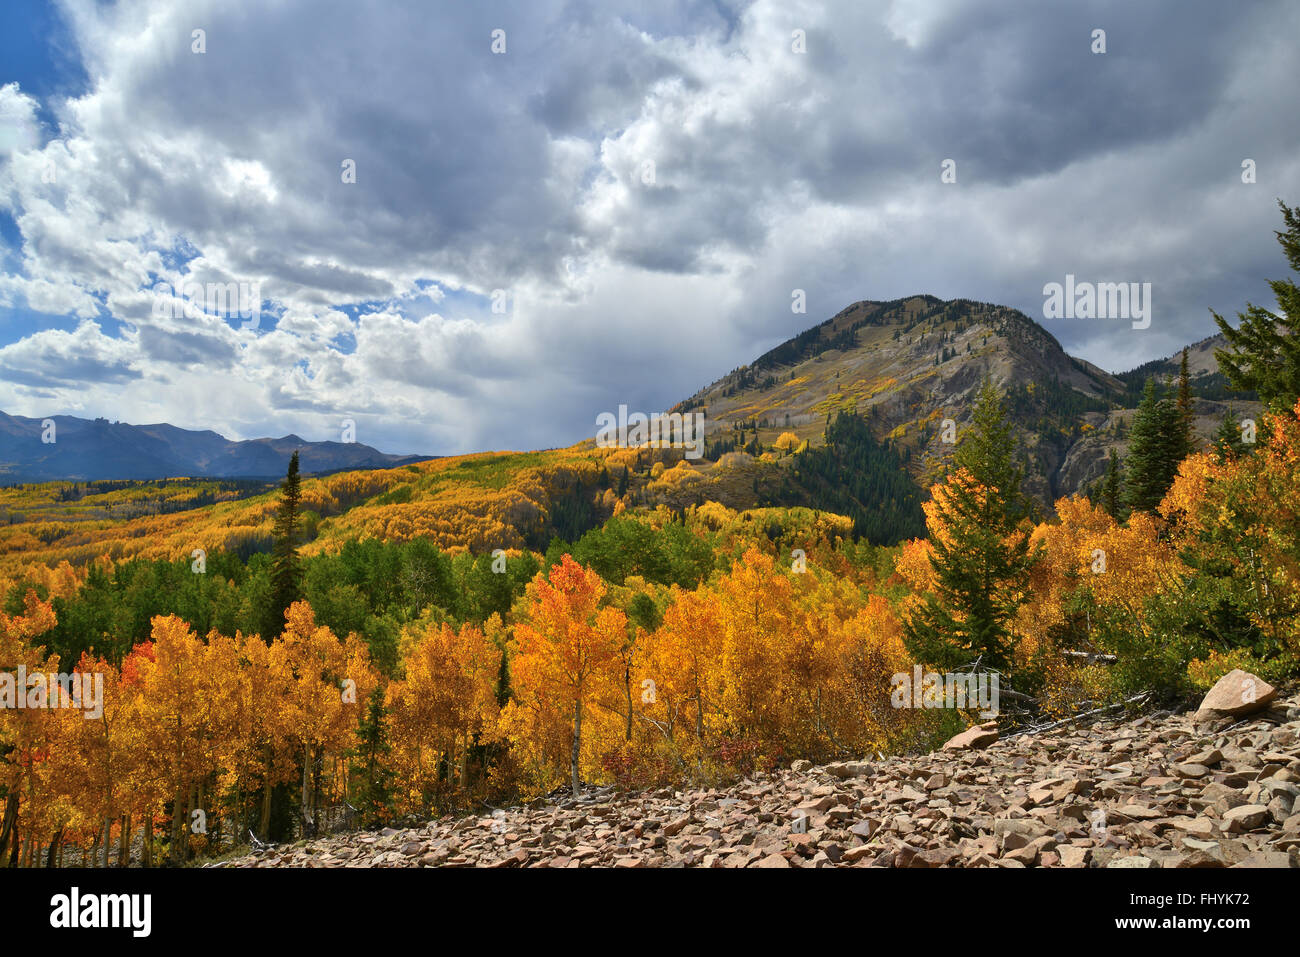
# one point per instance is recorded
(773, 170)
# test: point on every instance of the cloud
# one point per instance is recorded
(638, 192)
(84, 357)
(19, 127)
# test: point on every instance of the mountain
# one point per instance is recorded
(907, 365)
(904, 366)
(86, 449)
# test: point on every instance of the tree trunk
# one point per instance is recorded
(9, 823)
(178, 825)
(577, 745)
(315, 794)
(56, 845)
(627, 694)
(304, 812)
(124, 846)
(265, 825)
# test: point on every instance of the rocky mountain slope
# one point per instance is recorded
(98, 449)
(1156, 791)
(909, 364)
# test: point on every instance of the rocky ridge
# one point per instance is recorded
(1161, 791)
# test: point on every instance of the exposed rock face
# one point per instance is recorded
(1147, 793)
(910, 363)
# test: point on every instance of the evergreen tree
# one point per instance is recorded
(1159, 444)
(1227, 442)
(988, 451)
(981, 556)
(1263, 352)
(286, 569)
(1186, 414)
(376, 788)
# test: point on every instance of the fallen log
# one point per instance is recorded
(1095, 712)
(1092, 656)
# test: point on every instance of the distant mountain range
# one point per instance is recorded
(86, 449)
(905, 366)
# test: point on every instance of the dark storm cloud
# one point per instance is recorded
(646, 185)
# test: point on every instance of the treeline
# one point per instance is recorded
(856, 475)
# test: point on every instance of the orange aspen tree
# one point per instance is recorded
(331, 681)
(566, 646)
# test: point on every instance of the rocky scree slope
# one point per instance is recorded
(1149, 792)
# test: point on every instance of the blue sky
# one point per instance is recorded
(614, 209)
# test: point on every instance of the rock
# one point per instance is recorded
(1027, 855)
(933, 857)
(1247, 817)
(1200, 858)
(1018, 832)
(1269, 859)
(865, 828)
(978, 737)
(1136, 861)
(1279, 809)
(800, 766)
(1072, 855)
(673, 828)
(1235, 694)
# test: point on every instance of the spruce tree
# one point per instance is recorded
(1263, 352)
(1158, 445)
(1227, 443)
(376, 777)
(1186, 414)
(286, 569)
(981, 554)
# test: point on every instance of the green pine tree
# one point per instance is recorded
(1263, 352)
(1186, 413)
(375, 792)
(1158, 445)
(286, 568)
(983, 557)
(1227, 443)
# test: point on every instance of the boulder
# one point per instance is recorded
(1236, 694)
(974, 738)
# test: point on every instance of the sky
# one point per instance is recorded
(478, 225)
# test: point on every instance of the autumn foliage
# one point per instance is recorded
(693, 645)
